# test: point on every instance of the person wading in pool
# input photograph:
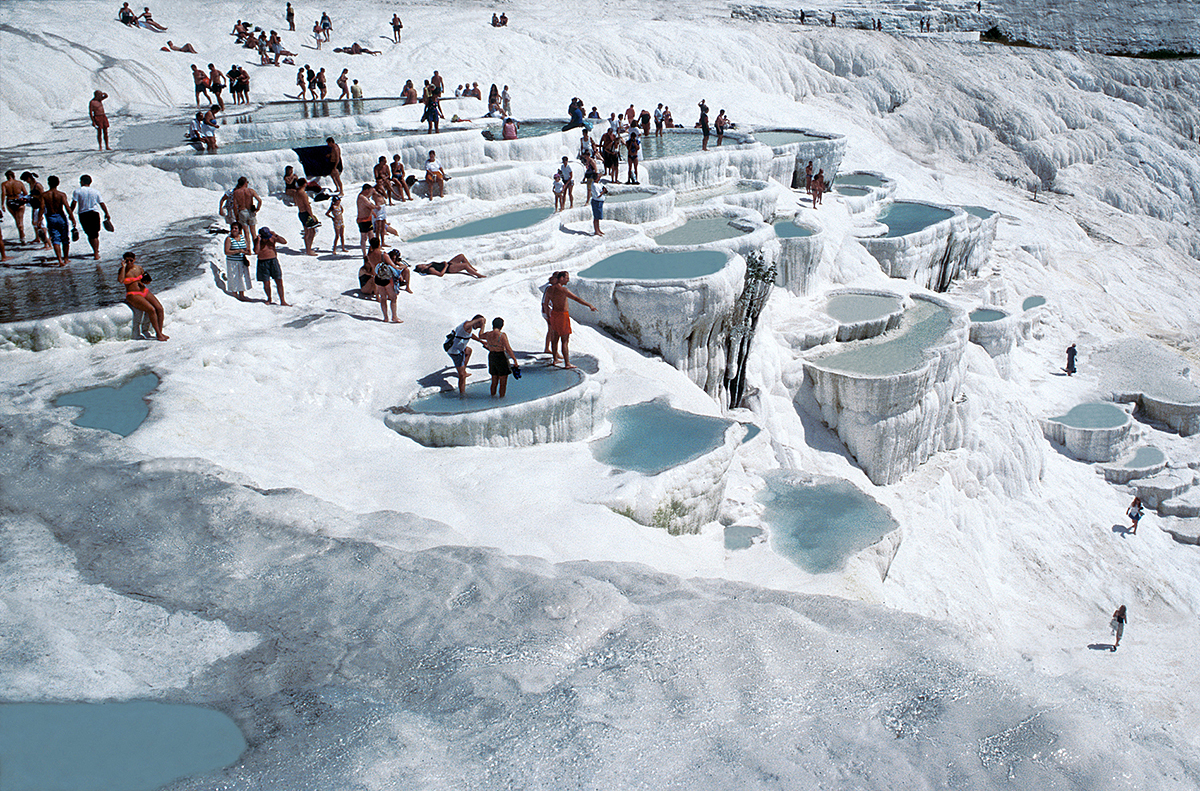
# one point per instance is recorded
(459, 349)
(560, 318)
(499, 354)
(1070, 369)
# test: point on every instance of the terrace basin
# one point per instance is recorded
(1095, 431)
(652, 437)
(700, 230)
(645, 265)
(118, 409)
(501, 223)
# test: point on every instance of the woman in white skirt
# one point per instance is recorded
(237, 265)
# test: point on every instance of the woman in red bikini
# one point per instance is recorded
(137, 294)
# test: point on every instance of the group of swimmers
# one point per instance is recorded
(55, 219)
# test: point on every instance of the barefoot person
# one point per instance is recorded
(308, 223)
(37, 206)
(99, 119)
(597, 193)
(334, 212)
(137, 294)
(1118, 625)
(458, 265)
(237, 264)
(460, 351)
(560, 317)
(434, 176)
(15, 198)
(246, 204)
(1134, 512)
(499, 352)
(85, 201)
(336, 165)
(268, 263)
(385, 275)
(364, 218)
(58, 211)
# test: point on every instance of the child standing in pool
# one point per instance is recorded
(499, 354)
(334, 212)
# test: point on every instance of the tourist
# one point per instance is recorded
(433, 110)
(560, 318)
(434, 176)
(171, 47)
(366, 279)
(385, 279)
(209, 127)
(268, 263)
(458, 265)
(321, 84)
(335, 212)
(437, 82)
(721, 123)
(808, 174)
(610, 151)
(216, 82)
(383, 178)
(37, 207)
(506, 101)
(1118, 625)
(658, 120)
(568, 180)
(126, 16)
(3, 250)
(290, 15)
(1134, 513)
(596, 195)
(495, 20)
(291, 183)
(343, 82)
(15, 197)
(1070, 369)
(457, 346)
(149, 20)
(356, 91)
(379, 218)
(399, 179)
(57, 212)
(833, 18)
(301, 83)
(499, 354)
(703, 124)
(560, 198)
(357, 49)
(668, 120)
(644, 121)
(237, 264)
(308, 222)
(246, 205)
(326, 25)
(503, 19)
(137, 293)
(200, 80)
(317, 34)
(336, 163)
(630, 115)
(409, 94)
(85, 201)
(634, 147)
(397, 26)
(818, 188)
(458, 92)
(545, 289)
(587, 146)
(366, 208)
(99, 119)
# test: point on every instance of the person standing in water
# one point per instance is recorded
(703, 124)
(1118, 625)
(499, 354)
(1070, 369)
(99, 119)
(460, 350)
(560, 317)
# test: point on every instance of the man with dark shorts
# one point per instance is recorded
(268, 263)
(658, 120)
(364, 218)
(85, 200)
(308, 223)
(57, 211)
(634, 148)
(99, 119)
(336, 166)
(246, 205)
(703, 124)
(15, 200)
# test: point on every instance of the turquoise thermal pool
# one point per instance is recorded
(818, 524)
(859, 180)
(512, 221)
(851, 191)
(299, 110)
(1033, 302)
(535, 129)
(897, 351)
(981, 212)
(853, 308)
(786, 229)
(700, 230)
(118, 409)
(537, 381)
(138, 746)
(783, 137)
(741, 536)
(644, 265)
(984, 315)
(1145, 456)
(671, 144)
(1094, 415)
(626, 197)
(905, 217)
(652, 437)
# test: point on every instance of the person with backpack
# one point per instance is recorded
(1134, 513)
(457, 346)
(385, 275)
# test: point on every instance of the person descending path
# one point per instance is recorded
(1134, 512)
(1070, 369)
(1118, 625)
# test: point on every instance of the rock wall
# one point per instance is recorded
(933, 256)
(1089, 444)
(797, 260)
(998, 338)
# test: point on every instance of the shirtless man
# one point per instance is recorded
(268, 263)
(499, 354)
(308, 223)
(321, 81)
(15, 198)
(366, 208)
(336, 166)
(397, 26)
(560, 317)
(58, 210)
(246, 204)
(216, 81)
(703, 124)
(36, 191)
(99, 119)
(201, 82)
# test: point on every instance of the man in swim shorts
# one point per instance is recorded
(308, 223)
(703, 124)
(99, 119)
(57, 212)
(86, 200)
(15, 200)
(560, 317)
(365, 216)
(268, 263)
(246, 205)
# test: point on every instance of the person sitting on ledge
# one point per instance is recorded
(457, 265)
(126, 16)
(356, 49)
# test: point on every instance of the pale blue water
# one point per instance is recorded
(741, 536)
(700, 230)
(859, 179)
(851, 191)
(137, 746)
(537, 381)
(850, 308)
(905, 217)
(512, 221)
(670, 144)
(1145, 456)
(118, 409)
(652, 437)
(535, 129)
(1033, 302)
(1094, 415)
(293, 110)
(984, 315)
(627, 197)
(161, 135)
(979, 211)
(897, 351)
(644, 265)
(818, 524)
(786, 229)
(782, 137)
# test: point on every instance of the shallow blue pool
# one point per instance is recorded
(818, 523)
(851, 191)
(741, 536)
(783, 137)
(897, 351)
(645, 265)
(1145, 456)
(700, 230)
(118, 409)
(981, 212)
(653, 436)
(537, 381)
(1033, 302)
(859, 180)
(905, 217)
(512, 221)
(853, 308)
(985, 315)
(111, 746)
(1094, 415)
(787, 229)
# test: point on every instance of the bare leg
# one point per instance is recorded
(495, 385)
(153, 309)
(503, 385)
(566, 340)
(279, 285)
(267, 290)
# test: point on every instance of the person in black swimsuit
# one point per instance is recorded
(455, 266)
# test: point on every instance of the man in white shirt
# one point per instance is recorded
(86, 200)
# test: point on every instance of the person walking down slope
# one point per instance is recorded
(1134, 513)
(1118, 625)
(1070, 369)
